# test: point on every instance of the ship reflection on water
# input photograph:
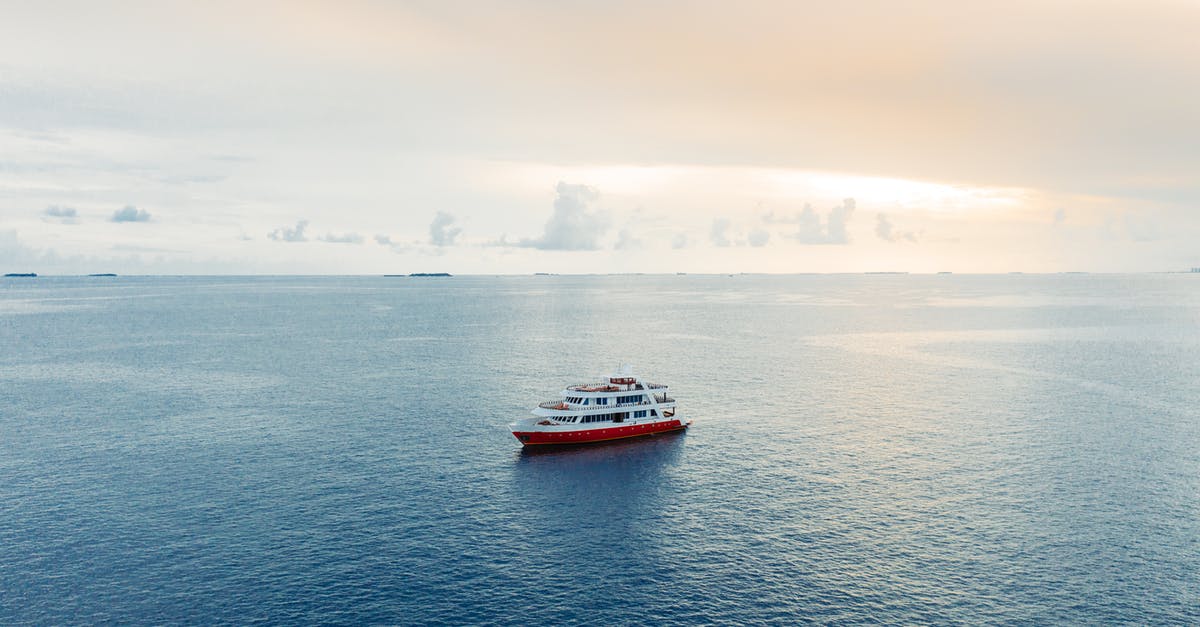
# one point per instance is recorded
(624, 478)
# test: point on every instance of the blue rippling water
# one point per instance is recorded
(896, 449)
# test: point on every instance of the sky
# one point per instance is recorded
(358, 137)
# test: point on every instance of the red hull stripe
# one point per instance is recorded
(596, 435)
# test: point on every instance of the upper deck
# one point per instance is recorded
(615, 385)
(619, 395)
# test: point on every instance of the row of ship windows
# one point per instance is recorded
(621, 400)
(604, 417)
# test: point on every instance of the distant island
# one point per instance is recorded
(103, 274)
(21, 274)
(420, 274)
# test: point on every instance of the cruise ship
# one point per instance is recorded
(620, 406)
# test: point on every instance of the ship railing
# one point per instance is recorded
(604, 386)
(667, 413)
(563, 405)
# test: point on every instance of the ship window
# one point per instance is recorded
(602, 401)
(653, 412)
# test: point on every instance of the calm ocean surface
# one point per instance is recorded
(865, 449)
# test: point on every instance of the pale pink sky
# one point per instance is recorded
(371, 137)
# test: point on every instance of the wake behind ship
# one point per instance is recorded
(622, 406)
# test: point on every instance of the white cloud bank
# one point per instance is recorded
(130, 214)
(811, 229)
(572, 226)
(62, 215)
(440, 231)
(887, 231)
(341, 238)
(293, 234)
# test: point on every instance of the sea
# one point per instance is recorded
(864, 449)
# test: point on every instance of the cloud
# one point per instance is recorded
(771, 218)
(347, 238)
(294, 234)
(130, 214)
(572, 226)
(397, 247)
(439, 232)
(838, 217)
(626, 240)
(887, 231)
(883, 228)
(718, 233)
(811, 229)
(14, 254)
(679, 241)
(63, 215)
(758, 238)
